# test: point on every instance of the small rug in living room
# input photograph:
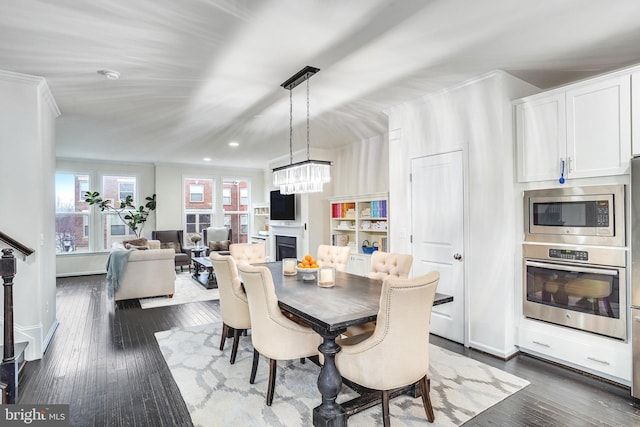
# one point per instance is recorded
(219, 394)
(187, 290)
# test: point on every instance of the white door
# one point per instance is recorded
(437, 221)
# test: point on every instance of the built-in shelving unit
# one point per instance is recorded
(358, 220)
(260, 230)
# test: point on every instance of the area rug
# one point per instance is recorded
(187, 290)
(219, 394)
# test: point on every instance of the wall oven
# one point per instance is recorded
(576, 286)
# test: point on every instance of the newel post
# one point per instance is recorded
(9, 366)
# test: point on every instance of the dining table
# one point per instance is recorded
(352, 301)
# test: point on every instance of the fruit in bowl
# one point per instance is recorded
(308, 262)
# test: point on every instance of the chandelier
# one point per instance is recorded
(309, 175)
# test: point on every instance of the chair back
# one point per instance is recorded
(248, 253)
(397, 353)
(385, 264)
(216, 234)
(333, 256)
(169, 236)
(272, 334)
(234, 307)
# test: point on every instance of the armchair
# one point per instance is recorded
(172, 239)
(217, 239)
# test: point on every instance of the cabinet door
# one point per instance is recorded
(541, 138)
(599, 128)
(635, 114)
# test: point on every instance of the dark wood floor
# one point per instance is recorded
(107, 365)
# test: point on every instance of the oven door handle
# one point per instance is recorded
(572, 268)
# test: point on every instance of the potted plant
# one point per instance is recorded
(128, 213)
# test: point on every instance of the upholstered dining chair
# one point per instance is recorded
(234, 307)
(217, 239)
(396, 353)
(272, 334)
(173, 239)
(333, 256)
(249, 253)
(385, 264)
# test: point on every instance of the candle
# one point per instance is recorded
(289, 266)
(326, 277)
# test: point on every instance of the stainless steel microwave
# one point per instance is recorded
(592, 215)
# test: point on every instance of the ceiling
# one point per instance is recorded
(196, 75)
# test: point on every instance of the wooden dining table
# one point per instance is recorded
(353, 300)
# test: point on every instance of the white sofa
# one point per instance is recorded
(149, 273)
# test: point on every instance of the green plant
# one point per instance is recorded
(128, 213)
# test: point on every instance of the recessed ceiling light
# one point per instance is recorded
(109, 74)
(207, 159)
(233, 144)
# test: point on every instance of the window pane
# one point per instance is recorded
(72, 232)
(70, 190)
(117, 188)
(236, 209)
(198, 205)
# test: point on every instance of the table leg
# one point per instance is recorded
(329, 413)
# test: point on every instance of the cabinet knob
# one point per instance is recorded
(457, 257)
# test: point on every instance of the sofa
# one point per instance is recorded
(148, 273)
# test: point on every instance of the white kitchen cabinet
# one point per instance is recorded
(635, 114)
(541, 136)
(599, 128)
(584, 128)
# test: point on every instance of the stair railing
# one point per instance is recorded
(9, 366)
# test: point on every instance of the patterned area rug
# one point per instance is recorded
(219, 394)
(187, 290)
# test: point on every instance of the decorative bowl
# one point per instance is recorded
(307, 273)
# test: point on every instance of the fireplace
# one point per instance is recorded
(286, 247)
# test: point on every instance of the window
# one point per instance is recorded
(198, 205)
(72, 213)
(196, 193)
(126, 189)
(236, 206)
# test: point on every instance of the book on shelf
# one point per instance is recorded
(340, 239)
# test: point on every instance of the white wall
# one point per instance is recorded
(27, 161)
(475, 117)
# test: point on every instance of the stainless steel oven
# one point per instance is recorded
(580, 287)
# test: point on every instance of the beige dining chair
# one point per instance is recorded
(234, 307)
(385, 264)
(249, 253)
(272, 334)
(396, 353)
(333, 256)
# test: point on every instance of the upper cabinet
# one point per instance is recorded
(581, 131)
(635, 113)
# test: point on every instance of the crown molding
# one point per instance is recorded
(41, 84)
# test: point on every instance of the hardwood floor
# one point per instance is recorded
(107, 365)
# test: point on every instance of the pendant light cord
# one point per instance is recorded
(290, 127)
(308, 155)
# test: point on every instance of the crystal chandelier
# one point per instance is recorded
(309, 175)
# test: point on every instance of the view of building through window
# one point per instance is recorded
(236, 209)
(198, 205)
(76, 222)
(72, 213)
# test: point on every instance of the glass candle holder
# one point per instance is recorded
(289, 266)
(326, 277)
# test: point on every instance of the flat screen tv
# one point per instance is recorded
(283, 206)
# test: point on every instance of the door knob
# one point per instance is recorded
(457, 257)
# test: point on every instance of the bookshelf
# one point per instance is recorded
(357, 219)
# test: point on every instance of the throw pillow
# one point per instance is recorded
(142, 241)
(170, 245)
(219, 246)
